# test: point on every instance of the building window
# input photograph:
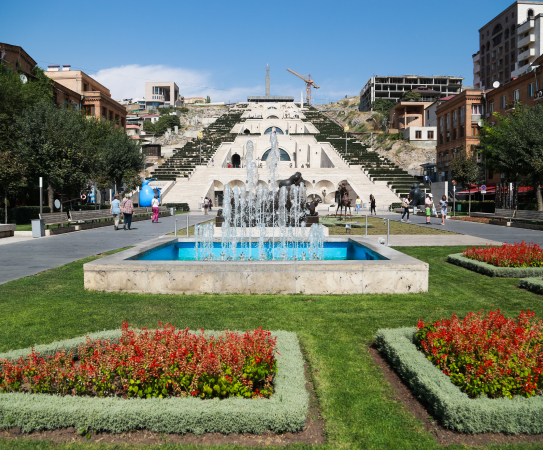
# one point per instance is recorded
(418, 134)
(477, 109)
(516, 95)
(461, 132)
(491, 108)
(441, 124)
(531, 90)
(462, 115)
(430, 134)
(475, 130)
(502, 102)
(448, 119)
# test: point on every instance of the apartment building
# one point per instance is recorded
(97, 99)
(393, 88)
(508, 44)
(159, 94)
(457, 128)
(409, 118)
(16, 58)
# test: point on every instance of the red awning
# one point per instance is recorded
(492, 190)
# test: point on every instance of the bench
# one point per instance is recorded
(94, 217)
(528, 216)
(58, 218)
(501, 214)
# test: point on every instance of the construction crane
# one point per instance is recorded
(308, 84)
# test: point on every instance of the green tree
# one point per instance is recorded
(166, 122)
(383, 106)
(149, 127)
(54, 142)
(466, 170)
(410, 95)
(15, 98)
(120, 157)
(208, 99)
(183, 110)
(514, 146)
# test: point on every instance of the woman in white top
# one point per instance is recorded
(154, 204)
(443, 204)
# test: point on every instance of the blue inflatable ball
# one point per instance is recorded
(147, 193)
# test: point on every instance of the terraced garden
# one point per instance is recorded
(184, 161)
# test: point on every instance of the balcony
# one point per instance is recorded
(525, 55)
(528, 25)
(527, 40)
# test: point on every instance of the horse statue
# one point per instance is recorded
(294, 180)
(345, 201)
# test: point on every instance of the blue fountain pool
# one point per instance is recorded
(333, 251)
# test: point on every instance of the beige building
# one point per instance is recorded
(508, 44)
(97, 99)
(160, 94)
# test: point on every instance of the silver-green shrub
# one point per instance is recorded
(446, 402)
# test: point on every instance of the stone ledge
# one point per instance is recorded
(398, 273)
(7, 229)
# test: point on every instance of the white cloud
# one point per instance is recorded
(129, 81)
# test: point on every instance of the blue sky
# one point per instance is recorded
(221, 48)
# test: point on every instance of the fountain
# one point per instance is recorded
(269, 242)
(263, 223)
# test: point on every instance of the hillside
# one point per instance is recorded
(345, 112)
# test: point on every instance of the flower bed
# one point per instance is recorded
(446, 402)
(284, 411)
(470, 219)
(488, 354)
(516, 255)
(159, 363)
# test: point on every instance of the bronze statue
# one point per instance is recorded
(312, 206)
(416, 195)
(345, 202)
(294, 180)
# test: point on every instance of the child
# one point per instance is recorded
(443, 203)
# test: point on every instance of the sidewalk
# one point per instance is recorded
(480, 230)
(22, 257)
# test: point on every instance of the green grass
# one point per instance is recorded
(357, 404)
(26, 227)
(379, 228)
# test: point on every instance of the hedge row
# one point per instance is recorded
(22, 215)
(493, 271)
(534, 284)
(284, 412)
(485, 207)
(179, 206)
(447, 402)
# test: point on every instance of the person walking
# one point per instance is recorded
(127, 208)
(429, 204)
(405, 205)
(206, 205)
(372, 205)
(115, 210)
(155, 203)
(443, 204)
(210, 203)
(358, 204)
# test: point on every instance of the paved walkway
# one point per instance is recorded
(421, 240)
(24, 257)
(481, 230)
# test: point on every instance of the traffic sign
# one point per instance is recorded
(483, 188)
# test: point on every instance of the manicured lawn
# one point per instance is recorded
(26, 227)
(357, 404)
(379, 228)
